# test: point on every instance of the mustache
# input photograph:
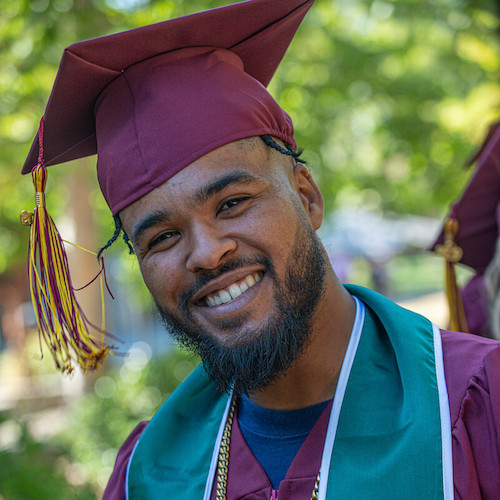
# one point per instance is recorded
(205, 276)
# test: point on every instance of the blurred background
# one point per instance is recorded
(389, 100)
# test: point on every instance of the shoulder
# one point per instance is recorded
(115, 490)
(472, 371)
(469, 361)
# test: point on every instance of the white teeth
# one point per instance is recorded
(250, 281)
(224, 296)
(235, 291)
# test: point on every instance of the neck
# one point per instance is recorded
(313, 377)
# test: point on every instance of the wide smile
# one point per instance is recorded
(233, 291)
(232, 294)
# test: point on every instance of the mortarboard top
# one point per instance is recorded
(152, 100)
(477, 209)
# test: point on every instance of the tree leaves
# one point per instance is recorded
(387, 97)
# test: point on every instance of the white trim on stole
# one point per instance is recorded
(444, 408)
(339, 397)
(215, 454)
(128, 470)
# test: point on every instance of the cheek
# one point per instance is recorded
(273, 231)
(163, 279)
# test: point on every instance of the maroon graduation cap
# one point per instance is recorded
(151, 100)
(471, 231)
(477, 209)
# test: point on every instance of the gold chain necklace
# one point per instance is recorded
(223, 462)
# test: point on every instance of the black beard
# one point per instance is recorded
(251, 359)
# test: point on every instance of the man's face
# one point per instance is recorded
(228, 250)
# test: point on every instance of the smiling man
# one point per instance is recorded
(307, 388)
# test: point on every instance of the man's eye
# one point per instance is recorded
(232, 203)
(166, 236)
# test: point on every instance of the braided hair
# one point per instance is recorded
(116, 234)
(287, 151)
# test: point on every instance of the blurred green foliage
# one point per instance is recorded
(101, 420)
(33, 471)
(389, 98)
(77, 461)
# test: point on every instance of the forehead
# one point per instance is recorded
(250, 156)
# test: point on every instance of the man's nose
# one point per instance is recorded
(208, 247)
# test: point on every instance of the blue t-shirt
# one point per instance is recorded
(275, 436)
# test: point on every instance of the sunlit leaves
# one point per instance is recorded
(395, 77)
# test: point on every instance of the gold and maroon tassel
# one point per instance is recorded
(452, 254)
(61, 322)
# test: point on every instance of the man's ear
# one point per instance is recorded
(309, 195)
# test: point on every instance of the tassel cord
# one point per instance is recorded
(50, 300)
(44, 320)
(61, 322)
(452, 254)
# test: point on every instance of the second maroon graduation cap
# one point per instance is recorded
(470, 235)
(477, 209)
(150, 101)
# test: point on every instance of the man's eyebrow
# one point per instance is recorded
(155, 217)
(238, 177)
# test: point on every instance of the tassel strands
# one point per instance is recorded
(452, 254)
(61, 322)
